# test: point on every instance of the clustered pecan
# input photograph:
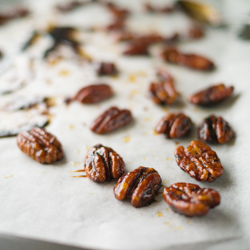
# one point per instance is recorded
(194, 61)
(93, 93)
(40, 145)
(212, 95)
(69, 6)
(107, 69)
(215, 130)
(199, 161)
(163, 92)
(111, 120)
(103, 164)
(174, 125)
(141, 185)
(190, 200)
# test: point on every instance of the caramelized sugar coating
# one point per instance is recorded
(190, 200)
(112, 119)
(103, 164)
(212, 95)
(193, 61)
(140, 185)
(199, 161)
(215, 130)
(40, 145)
(93, 93)
(174, 125)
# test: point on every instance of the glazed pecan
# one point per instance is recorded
(111, 120)
(107, 69)
(93, 93)
(174, 125)
(215, 130)
(212, 95)
(40, 145)
(199, 161)
(103, 164)
(189, 199)
(195, 32)
(172, 55)
(137, 49)
(13, 14)
(141, 185)
(163, 92)
(118, 12)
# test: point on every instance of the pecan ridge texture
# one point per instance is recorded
(103, 164)
(141, 185)
(93, 93)
(194, 61)
(211, 95)
(163, 91)
(40, 145)
(199, 161)
(215, 130)
(111, 120)
(174, 125)
(189, 199)
(107, 69)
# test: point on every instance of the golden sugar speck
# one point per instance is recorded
(165, 109)
(179, 228)
(126, 139)
(159, 214)
(8, 176)
(71, 126)
(168, 209)
(164, 181)
(144, 158)
(64, 72)
(169, 159)
(167, 223)
(147, 119)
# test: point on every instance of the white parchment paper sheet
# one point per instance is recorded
(46, 202)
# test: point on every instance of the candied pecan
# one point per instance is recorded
(117, 24)
(174, 125)
(189, 199)
(199, 161)
(163, 92)
(93, 93)
(118, 12)
(68, 6)
(211, 95)
(215, 130)
(172, 55)
(103, 164)
(107, 69)
(141, 185)
(111, 120)
(196, 32)
(13, 14)
(137, 49)
(40, 145)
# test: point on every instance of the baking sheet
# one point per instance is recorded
(46, 202)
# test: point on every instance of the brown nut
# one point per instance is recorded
(141, 185)
(199, 161)
(137, 49)
(107, 69)
(212, 95)
(40, 145)
(111, 120)
(153, 9)
(174, 125)
(172, 55)
(93, 93)
(163, 92)
(215, 130)
(189, 199)
(103, 164)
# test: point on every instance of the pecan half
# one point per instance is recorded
(189, 199)
(174, 125)
(107, 69)
(212, 95)
(93, 93)
(194, 61)
(103, 164)
(40, 145)
(13, 14)
(141, 185)
(153, 9)
(137, 49)
(199, 161)
(111, 120)
(163, 92)
(215, 130)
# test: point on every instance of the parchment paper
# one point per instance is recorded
(46, 202)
